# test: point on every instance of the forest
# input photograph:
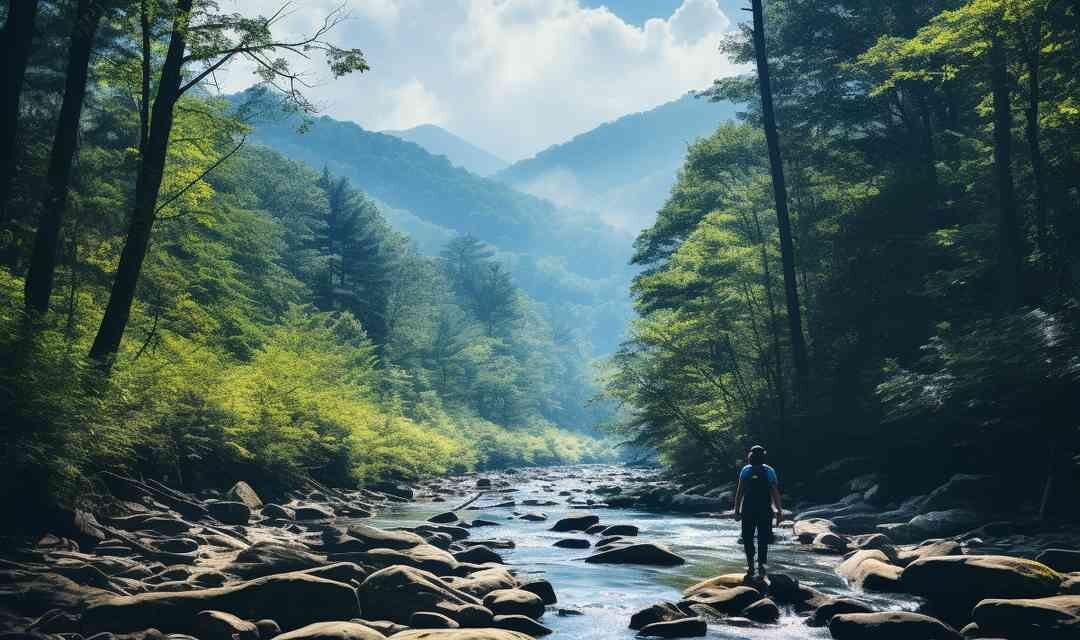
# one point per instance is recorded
(183, 303)
(923, 305)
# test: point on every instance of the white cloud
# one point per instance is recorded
(513, 76)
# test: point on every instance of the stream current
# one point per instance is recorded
(608, 594)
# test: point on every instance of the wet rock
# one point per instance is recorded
(572, 543)
(166, 525)
(521, 624)
(431, 620)
(596, 529)
(764, 610)
(469, 615)
(293, 599)
(620, 530)
(448, 517)
(483, 483)
(461, 634)
(893, 625)
(579, 522)
(229, 512)
(332, 631)
(422, 556)
(823, 614)
(481, 583)
(958, 582)
(964, 491)
(830, 543)
(218, 625)
(479, 555)
(397, 592)
(541, 588)
(725, 581)
(1063, 560)
(933, 524)
(682, 628)
(871, 571)
(649, 553)
(805, 531)
(533, 516)
(928, 549)
(399, 491)
(1054, 618)
(514, 601)
(242, 492)
(455, 533)
(726, 601)
(783, 588)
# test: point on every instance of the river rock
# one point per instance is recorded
(431, 620)
(397, 592)
(764, 610)
(933, 524)
(332, 631)
(964, 491)
(478, 555)
(578, 522)
(928, 549)
(805, 531)
(683, 628)
(1063, 560)
(572, 543)
(242, 492)
(660, 612)
(312, 512)
(725, 581)
(422, 556)
(892, 625)
(481, 583)
(1054, 618)
(823, 614)
(472, 616)
(871, 571)
(829, 542)
(533, 516)
(218, 625)
(514, 601)
(268, 629)
(375, 538)
(268, 558)
(650, 553)
(521, 624)
(958, 582)
(448, 517)
(292, 599)
(726, 601)
(460, 634)
(229, 512)
(277, 512)
(620, 530)
(541, 588)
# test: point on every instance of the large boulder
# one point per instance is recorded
(871, 570)
(480, 583)
(522, 624)
(660, 612)
(823, 614)
(579, 522)
(242, 492)
(726, 601)
(929, 549)
(460, 634)
(649, 553)
(382, 539)
(805, 531)
(682, 628)
(292, 599)
(514, 601)
(1051, 618)
(958, 582)
(229, 512)
(397, 592)
(933, 524)
(268, 558)
(724, 581)
(891, 625)
(218, 625)
(332, 631)
(764, 610)
(422, 556)
(543, 589)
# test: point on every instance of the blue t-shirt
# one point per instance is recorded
(770, 473)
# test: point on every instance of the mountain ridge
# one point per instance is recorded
(459, 151)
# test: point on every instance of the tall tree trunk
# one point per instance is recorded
(1011, 249)
(15, 41)
(39, 279)
(1034, 62)
(147, 187)
(787, 249)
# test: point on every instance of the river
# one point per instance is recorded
(609, 594)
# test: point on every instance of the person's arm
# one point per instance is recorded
(776, 503)
(738, 499)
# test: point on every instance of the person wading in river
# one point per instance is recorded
(758, 493)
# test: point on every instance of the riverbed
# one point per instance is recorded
(606, 594)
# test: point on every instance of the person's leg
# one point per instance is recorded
(764, 536)
(748, 540)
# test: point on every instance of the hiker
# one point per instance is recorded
(758, 493)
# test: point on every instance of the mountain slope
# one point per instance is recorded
(460, 152)
(623, 169)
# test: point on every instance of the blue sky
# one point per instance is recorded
(512, 76)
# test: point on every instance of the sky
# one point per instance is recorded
(511, 76)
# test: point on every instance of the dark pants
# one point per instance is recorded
(759, 526)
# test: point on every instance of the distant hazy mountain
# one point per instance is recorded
(460, 152)
(623, 169)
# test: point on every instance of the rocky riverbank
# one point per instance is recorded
(153, 562)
